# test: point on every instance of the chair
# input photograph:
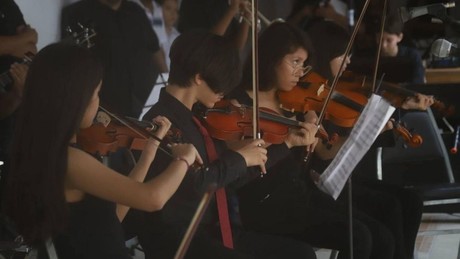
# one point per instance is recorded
(415, 166)
(426, 169)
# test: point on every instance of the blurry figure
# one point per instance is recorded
(128, 47)
(217, 16)
(171, 16)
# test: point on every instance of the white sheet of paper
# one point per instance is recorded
(371, 121)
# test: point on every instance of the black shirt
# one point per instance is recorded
(10, 18)
(230, 168)
(125, 42)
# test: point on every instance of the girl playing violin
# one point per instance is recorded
(400, 209)
(204, 67)
(285, 201)
(57, 191)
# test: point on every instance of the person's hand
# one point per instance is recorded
(187, 152)
(237, 5)
(311, 117)
(164, 125)
(26, 40)
(28, 33)
(254, 153)
(304, 136)
(326, 11)
(388, 126)
(418, 102)
(18, 72)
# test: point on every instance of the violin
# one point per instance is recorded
(107, 136)
(412, 140)
(226, 121)
(312, 90)
(346, 104)
(393, 93)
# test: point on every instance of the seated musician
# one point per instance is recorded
(57, 191)
(204, 67)
(286, 201)
(400, 209)
(399, 62)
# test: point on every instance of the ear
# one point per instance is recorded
(197, 79)
(400, 37)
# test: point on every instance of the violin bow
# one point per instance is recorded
(379, 49)
(322, 114)
(255, 74)
(347, 53)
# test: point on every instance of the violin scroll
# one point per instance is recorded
(412, 140)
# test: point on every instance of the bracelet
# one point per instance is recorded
(183, 159)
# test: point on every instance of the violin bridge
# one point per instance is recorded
(320, 90)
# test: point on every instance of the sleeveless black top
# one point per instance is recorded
(93, 231)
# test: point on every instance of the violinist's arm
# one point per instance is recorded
(140, 171)
(418, 102)
(88, 175)
(221, 26)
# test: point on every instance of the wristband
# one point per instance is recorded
(183, 159)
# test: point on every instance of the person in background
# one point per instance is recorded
(17, 39)
(171, 16)
(154, 13)
(304, 12)
(65, 194)
(217, 16)
(391, 47)
(397, 208)
(128, 47)
(286, 201)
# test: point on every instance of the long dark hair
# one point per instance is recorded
(329, 41)
(278, 40)
(60, 83)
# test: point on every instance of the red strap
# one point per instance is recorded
(221, 196)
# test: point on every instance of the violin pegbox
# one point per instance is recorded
(82, 36)
(103, 118)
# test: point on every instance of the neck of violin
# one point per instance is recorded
(278, 118)
(397, 90)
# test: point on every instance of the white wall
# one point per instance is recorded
(44, 16)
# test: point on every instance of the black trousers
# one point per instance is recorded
(328, 227)
(207, 245)
(399, 209)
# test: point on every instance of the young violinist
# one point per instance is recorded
(58, 192)
(204, 67)
(399, 209)
(283, 202)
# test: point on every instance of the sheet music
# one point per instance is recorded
(372, 120)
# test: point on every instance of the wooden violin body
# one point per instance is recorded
(103, 139)
(348, 100)
(229, 122)
(310, 93)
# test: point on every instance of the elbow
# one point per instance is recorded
(157, 202)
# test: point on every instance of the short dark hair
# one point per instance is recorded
(394, 24)
(275, 42)
(59, 86)
(214, 57)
